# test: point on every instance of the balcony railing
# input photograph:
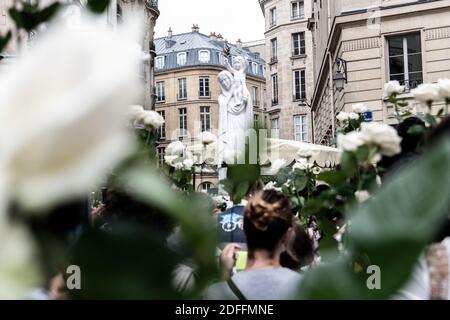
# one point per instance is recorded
(299, 96)
(274, 102)
(181, 96)
(204, 94)
(411, 84)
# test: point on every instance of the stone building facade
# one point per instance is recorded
(290, 70)
(117, 11)
(187, 88)
(380, 41)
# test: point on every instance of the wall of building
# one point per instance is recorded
(285, 65)
(361, 39)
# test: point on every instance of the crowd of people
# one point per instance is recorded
(263, 249)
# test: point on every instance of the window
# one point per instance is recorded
(254, 68)
(256, 119)
(161, 154)
(274, 89)
(297, 9)
(265, 97)
(160, 62)
(273, 49)
(181, 58)
(255, 96)
(182, 90)
(203, 56)
(299, 83)
(300, 128)
(160, 91)
(206, 187)
(405, 60)
(273, 17)
(275, 128)
(204, 87)
(162, 129)
(182, 125)
(298, 43)
(221, 58)
(205, 119)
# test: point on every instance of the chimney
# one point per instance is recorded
(169, 33)
(220, 37)
(239, 44)
(195, 28)
(212, 36)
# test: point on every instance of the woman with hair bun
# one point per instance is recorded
(268, 223)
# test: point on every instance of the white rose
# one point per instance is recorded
(306, 152)
(231, 157)
(382, 135)
(170, 159)
(302, 164)
(18, 262)
(277, 166)
(427, 93)
(152, 120)
(353, 116)
(350, 141)
(187, 164)
(176, 148)
(393, 87)
(63, 112)
(178, 165)
(207, 138)
(444, 88)
(362, 195)
(342, 117)
(360, 108)
(135, 111)
(271, 186)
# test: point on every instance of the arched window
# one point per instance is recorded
(203, 56)
(160, 62)
(181, 58)
(205, 187)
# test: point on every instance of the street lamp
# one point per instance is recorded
(309, 105)
(340, 77)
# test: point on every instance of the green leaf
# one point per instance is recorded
(4, 40)
(300, 183)
(241, 190)
(391, 229)
(349, 163)
(431, 120)
(416, 130)
(332, 177)
(97, 6)
(191, 214)
(362, 154)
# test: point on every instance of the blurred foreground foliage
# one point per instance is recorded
(389, 231)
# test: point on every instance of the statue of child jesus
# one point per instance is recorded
(239, 89)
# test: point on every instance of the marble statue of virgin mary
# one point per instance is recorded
(235, 113)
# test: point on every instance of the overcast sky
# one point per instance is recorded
(232, 18)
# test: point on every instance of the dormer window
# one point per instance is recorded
(160, 62)
(181, 58)
(203, 56)
(254, 68)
